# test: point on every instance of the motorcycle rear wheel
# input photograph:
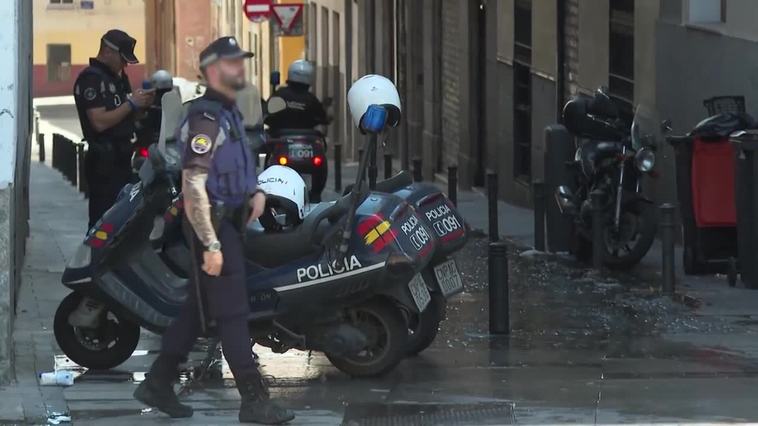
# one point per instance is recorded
(423, 327)
(102, 349)
(387, 333)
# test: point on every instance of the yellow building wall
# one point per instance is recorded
(290, 48)
(82, 28)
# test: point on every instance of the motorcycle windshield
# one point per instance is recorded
(646, 127)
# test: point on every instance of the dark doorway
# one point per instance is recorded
(58, 62)
(480, 84)
(621, 55)
(522, 91)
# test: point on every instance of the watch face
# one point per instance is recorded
(215, 246)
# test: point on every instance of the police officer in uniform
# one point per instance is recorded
(294, 106)
(107, 109)
(220, 187)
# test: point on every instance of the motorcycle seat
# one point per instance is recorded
(400, 180)
(296, 132)
(270, 249)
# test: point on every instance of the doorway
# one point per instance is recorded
(480, 85)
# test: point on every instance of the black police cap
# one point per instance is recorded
(222, 48)
(122, 43)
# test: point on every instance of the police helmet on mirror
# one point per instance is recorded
(301, 71)
(371, 90)
(286, 196)
(162, 80)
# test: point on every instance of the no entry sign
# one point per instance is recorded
(257, 10)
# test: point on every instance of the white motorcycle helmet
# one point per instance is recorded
(162, 80)
(286, 197)
(374, 90)
(301, 71)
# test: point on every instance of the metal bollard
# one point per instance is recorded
(338, 167)
(83, 184)
(492, 205)
(41, 147)
(360, 158)
(499, 289)
(387, 165)
(598, 243)
(667, 226)
(56, 151)
(373, 171)
(538, 191)
(418, 174)
(452, 184)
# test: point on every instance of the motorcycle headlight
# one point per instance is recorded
(645, 160)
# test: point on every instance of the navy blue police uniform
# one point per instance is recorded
(108, 158)
(303, 111)
(213, 139)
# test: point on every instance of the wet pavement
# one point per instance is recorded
(584, 348)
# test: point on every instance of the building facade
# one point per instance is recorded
(15, 147)
(480, 79)
(67, 33)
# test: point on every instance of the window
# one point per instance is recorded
(58, 62)
(621, 55)
(706, 11)
(60, 4)
(522, 90)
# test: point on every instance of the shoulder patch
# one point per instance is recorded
(201, 144)
(90, 93)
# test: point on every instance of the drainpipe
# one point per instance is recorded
(560, 74)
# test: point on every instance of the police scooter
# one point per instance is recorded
(340, 281)
(148, 125)
(303, 150)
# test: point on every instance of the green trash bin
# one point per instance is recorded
(745, 145)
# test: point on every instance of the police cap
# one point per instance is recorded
(222, 48)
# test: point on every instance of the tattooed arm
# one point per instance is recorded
(197, 204)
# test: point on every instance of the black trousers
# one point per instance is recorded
(227, 305)
(105, 179)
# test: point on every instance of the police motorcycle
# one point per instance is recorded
(606, 174)
(148, 126)
(303, 150)
(334, 277)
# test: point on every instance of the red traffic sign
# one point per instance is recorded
(257, 10)
(287, 15)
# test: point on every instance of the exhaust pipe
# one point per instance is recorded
(564, 197)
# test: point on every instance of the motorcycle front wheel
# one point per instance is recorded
(106, 347)
(387, 335)
(626, 247)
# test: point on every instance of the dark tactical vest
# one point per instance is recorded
(231, 178)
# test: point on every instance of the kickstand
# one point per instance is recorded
(209, 369)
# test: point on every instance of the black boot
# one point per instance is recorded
(256, 406)
(157, 390)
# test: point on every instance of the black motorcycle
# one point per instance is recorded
(606, 176)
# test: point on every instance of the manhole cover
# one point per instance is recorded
(376, 414)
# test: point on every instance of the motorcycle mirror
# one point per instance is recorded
(276, 78)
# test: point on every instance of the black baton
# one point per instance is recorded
(195, 267)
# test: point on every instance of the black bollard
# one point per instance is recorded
(538, 191)
(499, 290)
(492, 205)
(83, 187)
(373, 170)
(387, 165)
(452, 184)
(418, 174)
(56, 151)
(360, 158)
(668, 228)
(338, 167)
(598, 243)
(41, 147)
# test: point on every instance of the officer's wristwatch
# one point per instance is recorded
(214, 246)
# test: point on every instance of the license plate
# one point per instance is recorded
(420, 292)
(448, 278)
(299, 151)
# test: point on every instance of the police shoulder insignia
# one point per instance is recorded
(201, 144)
(90, 93)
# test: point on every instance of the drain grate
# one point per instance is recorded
(400, 414)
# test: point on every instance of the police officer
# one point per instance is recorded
(107, 109)
(294, 106)
(219, 186)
